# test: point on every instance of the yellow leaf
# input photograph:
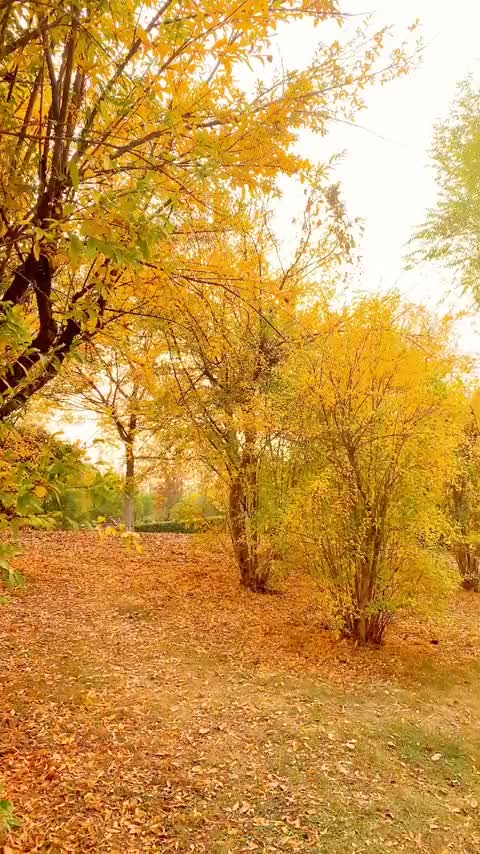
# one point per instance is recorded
(92, 228)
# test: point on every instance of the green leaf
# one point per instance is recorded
(91, 248)
(74, 174)
(144, 247)
(76, 246)
(28, 504)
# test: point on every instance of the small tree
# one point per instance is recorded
(377, 417)
(168, 491)
(110, 381)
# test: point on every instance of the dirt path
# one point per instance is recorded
(149, 706)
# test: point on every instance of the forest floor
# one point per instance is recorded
(148, 705)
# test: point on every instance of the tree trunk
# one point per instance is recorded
(364, 624)
(244, 553)
(362, 593)
(366, 628)
(129, 500)
(41, 362)
(243, 508)
(469, 566)
(32, 370)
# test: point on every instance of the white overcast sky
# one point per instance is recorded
(386, 176)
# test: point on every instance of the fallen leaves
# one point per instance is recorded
(152, 706)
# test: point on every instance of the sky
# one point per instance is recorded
(385, 174)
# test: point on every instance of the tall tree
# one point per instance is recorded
(121, 124)
(226, 351)
(451, 232)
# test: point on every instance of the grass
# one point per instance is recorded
(150, 706)
(420, 747)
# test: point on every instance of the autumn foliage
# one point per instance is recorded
(378, 403)
(125, 126)
(145, 279)
(180, 290)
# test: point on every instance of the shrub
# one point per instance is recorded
(380, 416)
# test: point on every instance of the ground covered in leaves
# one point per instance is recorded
(148, 705)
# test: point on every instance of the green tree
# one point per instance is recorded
(451, 232)
(48, 483)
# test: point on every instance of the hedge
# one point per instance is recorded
(180, 527)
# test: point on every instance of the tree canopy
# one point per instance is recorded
(125, 125)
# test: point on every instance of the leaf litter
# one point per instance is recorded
(149, 705)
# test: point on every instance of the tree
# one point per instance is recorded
(221, 362)
(464, 505)
(168, 491)
(123, 127)
(108, 378)
(226, 352)
(375, 416)
(451, 231)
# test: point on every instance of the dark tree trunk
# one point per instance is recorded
(33, 278)
(129, 495)
(243, 509)
(41, 362)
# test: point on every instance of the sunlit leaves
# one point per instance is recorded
(149, 126)
(376, 420)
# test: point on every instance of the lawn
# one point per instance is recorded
(149, 705)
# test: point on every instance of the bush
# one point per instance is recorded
(378, 419)
(179, 527)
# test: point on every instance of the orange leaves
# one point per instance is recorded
(220, 720)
